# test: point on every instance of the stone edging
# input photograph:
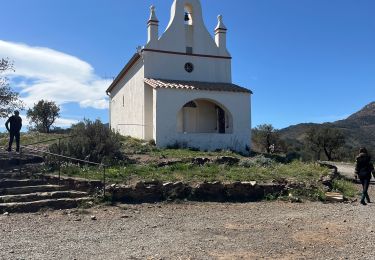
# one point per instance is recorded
(156, 191)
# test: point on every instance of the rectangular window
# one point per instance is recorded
(123, 101)
(189, 50)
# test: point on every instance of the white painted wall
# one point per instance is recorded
(172, 66)
(154, 113)
(128, 103)
(170, 101)
(148, 113)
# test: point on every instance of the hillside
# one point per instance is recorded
(359, 129)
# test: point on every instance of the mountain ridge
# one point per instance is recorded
(358, 128)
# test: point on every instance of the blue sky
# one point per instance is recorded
(305, 60)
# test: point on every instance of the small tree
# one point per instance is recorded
(314, 141)
(326, 139)
(266, 138)
(9, 100)
(43, 115)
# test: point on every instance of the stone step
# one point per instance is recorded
(34, 206)
(31, 189)
(13, 158)
(15, 174)
(15, 162)
(10, 175)
(10, 183)
(42, 196)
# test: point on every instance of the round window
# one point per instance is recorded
(189, 67)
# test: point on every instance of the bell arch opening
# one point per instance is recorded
(188, 18)
(204, 116)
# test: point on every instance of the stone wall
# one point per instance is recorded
(156, 191)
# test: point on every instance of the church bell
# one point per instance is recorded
(187, 17)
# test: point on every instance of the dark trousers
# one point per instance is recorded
(13, 135)
(365, 185)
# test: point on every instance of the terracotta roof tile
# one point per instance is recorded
(195, 85)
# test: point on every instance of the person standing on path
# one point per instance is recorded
(363, 169)
(14, 125)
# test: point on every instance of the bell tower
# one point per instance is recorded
(186, 31)
(187, 50)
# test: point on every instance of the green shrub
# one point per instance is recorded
(93, 141)
(258, 161)
(314, 193)
(347, 188)
(132, 145)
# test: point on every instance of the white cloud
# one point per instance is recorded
(51, 75)
(65, 123)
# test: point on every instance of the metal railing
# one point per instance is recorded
(60, 158)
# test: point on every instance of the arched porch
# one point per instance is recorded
(204, 116)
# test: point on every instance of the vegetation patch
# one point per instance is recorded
(131, 160)
(312, 192)
(33, 137)
(191, 173)
(345, 187)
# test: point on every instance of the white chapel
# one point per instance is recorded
(177, 89)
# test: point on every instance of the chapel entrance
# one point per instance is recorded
(204, 116)
(221, 120)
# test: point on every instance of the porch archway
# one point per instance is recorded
(204, 116)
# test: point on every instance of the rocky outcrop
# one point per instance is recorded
(229, 160)
(200, 161)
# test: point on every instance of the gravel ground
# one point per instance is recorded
(270, 230)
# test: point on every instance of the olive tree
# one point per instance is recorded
(325, 139)
(9, 100)
(266, 138)
(43, 115)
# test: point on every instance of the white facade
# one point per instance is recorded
(178, 88)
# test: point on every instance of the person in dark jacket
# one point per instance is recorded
(363, 169)
(14, 125)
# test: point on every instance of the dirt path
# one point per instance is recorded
(347, 170)
(266, 230)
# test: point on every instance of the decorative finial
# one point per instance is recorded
(153, 17)
(220, 24)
